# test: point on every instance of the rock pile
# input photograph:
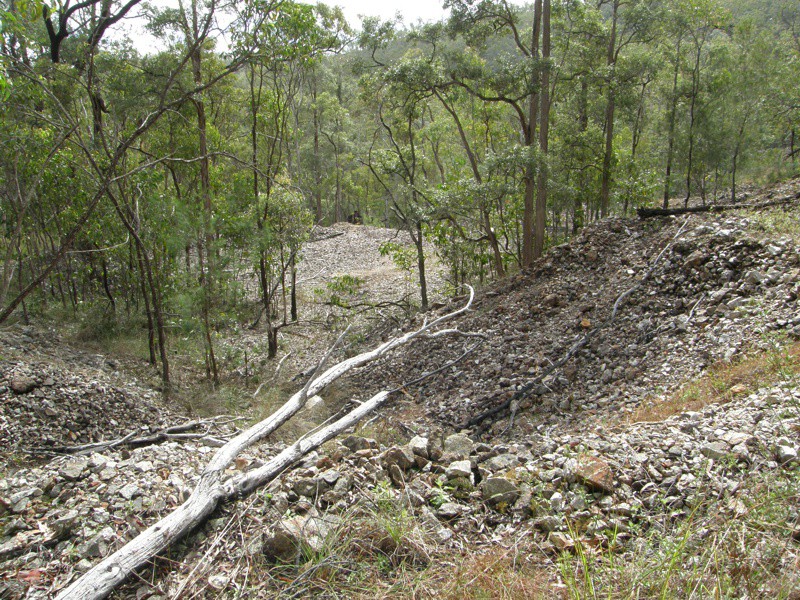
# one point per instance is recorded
(52, 396)
(59, 519)
(723, 286)
(571, 469)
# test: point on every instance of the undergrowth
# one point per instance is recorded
(743, 546)
(724, 381)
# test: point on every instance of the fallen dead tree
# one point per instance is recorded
(212, 489)
(183, 432)
(646, 213)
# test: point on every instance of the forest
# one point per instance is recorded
(149, 187)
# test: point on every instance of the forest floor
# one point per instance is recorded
(650, 374)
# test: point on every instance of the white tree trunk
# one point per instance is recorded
(104, 577)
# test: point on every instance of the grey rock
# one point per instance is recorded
(498, 490)
(561, 541)
(355, 443)
(449, 510)
(65, 523)
(695, 259)
(307, 486)
(130, 491)
(622, 509)
(501, 462)
(22, 384)
(742, 452)
(74, 468)
(144, 466)
(458, 446)
(98, 545)
(419, 446)
(557, 502)
(331, 477)
(402, 456)
(547, 523)
(734, 438)
(785, 451)
(715, 450)
(459, 468)
(754, 277)
(15, 526)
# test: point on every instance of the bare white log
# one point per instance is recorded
(104, 577)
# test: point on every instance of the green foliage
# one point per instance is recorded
(340, 290)
(402, 255)
(727, 548)
(423, 129)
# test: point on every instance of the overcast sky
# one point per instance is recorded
(411, 11)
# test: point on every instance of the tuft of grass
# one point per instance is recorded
(496, 573)
(778, 223)
(377, 550)
(723, 382)
(744, 546)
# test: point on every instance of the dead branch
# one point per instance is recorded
(181, 432)
(213, 489)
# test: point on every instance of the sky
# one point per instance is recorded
(411, 12)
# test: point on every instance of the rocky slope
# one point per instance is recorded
(53, 395)
(724, 285)
(579, 466)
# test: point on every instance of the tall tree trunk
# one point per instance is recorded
(692, 117)
(528, 216)
(317, 195)
(293, 270)
(151, 329)
(736, 157)
(204, 244)
(423, 281)
(338, 218)
(605, 186)
(671, 124)
(255, 104)
(544, 130)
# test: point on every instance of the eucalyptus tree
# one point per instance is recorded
(400, 121)
(788, 84)
(629, 23)
(688, 27)
(516, 78)
(290, 47)
(51, 102)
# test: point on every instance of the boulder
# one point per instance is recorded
(458, 446)
(402, 456)
(22, 384)
(497, 490)
(595, 474)
(459, 468)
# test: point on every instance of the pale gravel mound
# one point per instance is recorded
(53, 395)
(355, 250)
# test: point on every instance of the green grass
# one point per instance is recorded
(778, 223)
(741, 546)
(724, 381)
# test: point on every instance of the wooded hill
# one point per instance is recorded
(148, 186)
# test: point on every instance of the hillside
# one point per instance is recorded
(659, 460)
